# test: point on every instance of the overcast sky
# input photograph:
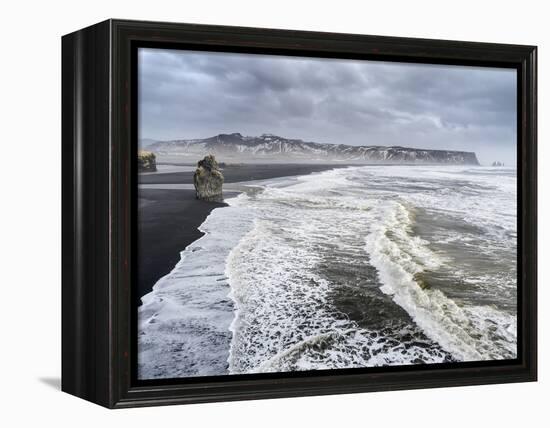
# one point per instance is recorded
(185, 94)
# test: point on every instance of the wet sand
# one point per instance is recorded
(238, 173)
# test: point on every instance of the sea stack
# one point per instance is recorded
(208, 179)
(147, 161)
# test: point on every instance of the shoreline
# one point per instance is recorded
(241, 173)
(168, 221)
(169, 218)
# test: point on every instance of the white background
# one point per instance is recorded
(30, 312)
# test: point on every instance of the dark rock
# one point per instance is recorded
(147, 161)
(208, 179)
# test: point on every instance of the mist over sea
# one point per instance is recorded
(353, 267)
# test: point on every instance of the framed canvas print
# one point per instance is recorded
(253, 213)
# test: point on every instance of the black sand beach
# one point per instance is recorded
(168, 219)
(167, 223)
(244, 172)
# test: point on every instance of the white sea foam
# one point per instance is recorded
(284, 320)
(184, 322)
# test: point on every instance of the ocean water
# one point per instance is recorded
(356, 267)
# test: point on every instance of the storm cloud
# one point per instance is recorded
(187, 94)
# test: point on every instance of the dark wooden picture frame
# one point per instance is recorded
(99, 196)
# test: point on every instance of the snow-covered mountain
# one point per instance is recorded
(269, 147)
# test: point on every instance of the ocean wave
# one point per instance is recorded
(274, 267)
(284, 318)
(469, 333)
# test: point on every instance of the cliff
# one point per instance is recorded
(269, 147)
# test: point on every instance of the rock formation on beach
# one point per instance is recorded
(208, 179)
(147, 161)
